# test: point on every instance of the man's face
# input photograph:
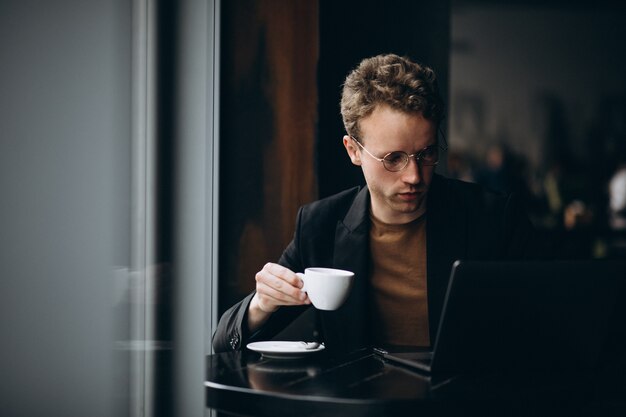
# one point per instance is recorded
(397, 197)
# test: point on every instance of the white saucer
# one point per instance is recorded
(283, 350)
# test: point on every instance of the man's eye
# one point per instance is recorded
(395, 158)
(429, 152)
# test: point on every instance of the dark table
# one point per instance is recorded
(362, 384)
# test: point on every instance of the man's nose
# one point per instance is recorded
(412, 173)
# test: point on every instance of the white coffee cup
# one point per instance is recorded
(327, 288)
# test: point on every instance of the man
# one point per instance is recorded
(400, 234)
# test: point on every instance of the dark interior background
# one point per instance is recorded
(536, 98)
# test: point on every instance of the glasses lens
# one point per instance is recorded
(430, 155)
(395, 161)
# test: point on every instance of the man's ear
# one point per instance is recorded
(351, 148)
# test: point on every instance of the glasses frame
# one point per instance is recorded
(416, 155)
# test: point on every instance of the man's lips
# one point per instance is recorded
(409, 195)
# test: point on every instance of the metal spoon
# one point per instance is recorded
(310, 345)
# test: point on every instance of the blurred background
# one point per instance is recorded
(546, 116)
(153, 155)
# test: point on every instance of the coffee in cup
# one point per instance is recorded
(327, 288)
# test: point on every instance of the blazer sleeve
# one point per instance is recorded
(231, 331)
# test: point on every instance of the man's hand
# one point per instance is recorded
(275, 286)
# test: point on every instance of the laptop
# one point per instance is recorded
(537, 315)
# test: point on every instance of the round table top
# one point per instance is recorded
(362, 384)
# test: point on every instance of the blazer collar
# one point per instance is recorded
(446, 237)
(447, 221)
(358, 214)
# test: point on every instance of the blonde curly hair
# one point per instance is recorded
(394, 81)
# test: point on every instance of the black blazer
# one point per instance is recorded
(464, 221)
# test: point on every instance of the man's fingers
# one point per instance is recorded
(283, 273)
(279, 283)
(278, 286)
(278, 297)
(270, 298)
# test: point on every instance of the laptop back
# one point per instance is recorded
(539, 315)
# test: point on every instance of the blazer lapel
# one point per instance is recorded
(446, 236)
(342, 331)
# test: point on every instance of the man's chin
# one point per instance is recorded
(415, 208)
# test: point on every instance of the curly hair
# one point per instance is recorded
(390, 80)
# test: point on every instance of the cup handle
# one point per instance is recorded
(301, 276)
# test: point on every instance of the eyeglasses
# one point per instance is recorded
(398, 160)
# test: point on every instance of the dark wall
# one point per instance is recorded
(351, 30)
(267, 133)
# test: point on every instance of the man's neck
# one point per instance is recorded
(400, 218)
